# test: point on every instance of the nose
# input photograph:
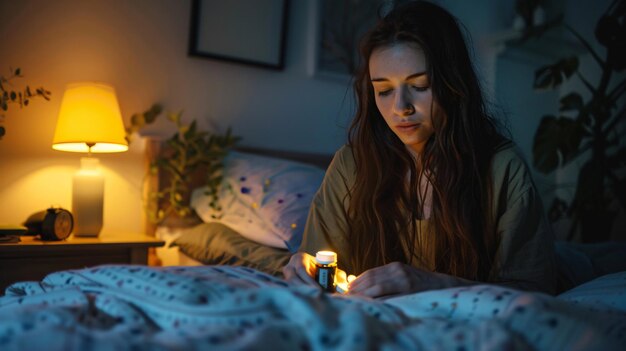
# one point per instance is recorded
(403, 106)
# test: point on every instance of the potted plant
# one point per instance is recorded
(10, 95)
(189, 156)
(588, 129)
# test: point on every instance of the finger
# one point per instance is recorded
(373, 291)
(354, 285)
(304, 277)
(289, 273)
(295, 279)
(341, 277)
(384, 277)
(364, 279)
(362, 282)
(375, 286)
(376, 275)
(289, 270)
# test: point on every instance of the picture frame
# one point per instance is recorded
(335, 29)
(240, 31)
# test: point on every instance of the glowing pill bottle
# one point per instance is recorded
(326, 263)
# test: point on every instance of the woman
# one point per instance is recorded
(427, 194)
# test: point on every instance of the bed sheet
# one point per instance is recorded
(229, 308)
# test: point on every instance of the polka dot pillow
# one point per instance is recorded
(265, 199)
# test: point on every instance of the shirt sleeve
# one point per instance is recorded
(326, 226)
(525, 255)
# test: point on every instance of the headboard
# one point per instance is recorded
(315, 159)
(153, 181)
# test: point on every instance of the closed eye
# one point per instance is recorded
(414, 87)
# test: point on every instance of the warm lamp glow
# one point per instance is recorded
(90, 116)
(89, 121)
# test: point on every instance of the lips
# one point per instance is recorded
(407, 127)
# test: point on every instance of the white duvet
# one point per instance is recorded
(230, 308)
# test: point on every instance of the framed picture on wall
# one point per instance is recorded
(242, 31)
(336, 28)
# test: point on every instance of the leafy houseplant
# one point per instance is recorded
(8, 95)
(588, 130)
(189, 154)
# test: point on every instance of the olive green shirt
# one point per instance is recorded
(524, 258)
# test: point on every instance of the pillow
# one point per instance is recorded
(215, 243)
(262, 198)
(605, 292)
(579, 263)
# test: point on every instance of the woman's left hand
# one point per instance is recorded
(399, 278)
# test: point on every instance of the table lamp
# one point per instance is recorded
(89, 121)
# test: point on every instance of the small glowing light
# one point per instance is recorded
(342, 288)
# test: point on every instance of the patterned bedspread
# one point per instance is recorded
(228, 308)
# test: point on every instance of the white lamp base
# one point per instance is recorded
(88, 198)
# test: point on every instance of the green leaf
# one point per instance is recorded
(190, 133)
(137, 120)
(45, 94)
(151, 114)
(545, 78)
(572, 101)
(2, 132)
(557, 141)
(174, 117)
(551, 76)
(13, 95)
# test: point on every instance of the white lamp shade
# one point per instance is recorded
(90, 115)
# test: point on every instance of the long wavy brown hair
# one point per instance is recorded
(384, 208)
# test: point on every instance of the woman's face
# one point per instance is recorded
(402, 91)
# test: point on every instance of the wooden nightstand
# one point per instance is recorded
(33, 259)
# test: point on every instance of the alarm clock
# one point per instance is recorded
(51, 224)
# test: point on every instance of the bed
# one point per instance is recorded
(233, 308)
(231, 296)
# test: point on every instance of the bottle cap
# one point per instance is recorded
(326, 257)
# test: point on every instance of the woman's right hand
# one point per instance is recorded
(300, 269)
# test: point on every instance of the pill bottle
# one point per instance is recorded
(326, 263)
